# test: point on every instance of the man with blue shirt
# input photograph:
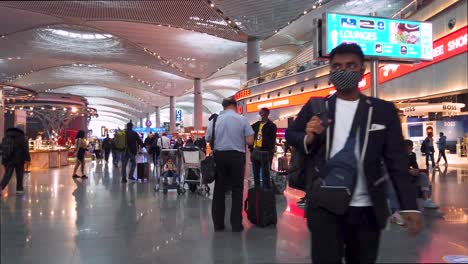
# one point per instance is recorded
(232, 133)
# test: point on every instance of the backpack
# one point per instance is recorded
(8, 148)
(423, 146)
(120, 141)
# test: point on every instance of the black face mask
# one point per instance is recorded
(345, 81)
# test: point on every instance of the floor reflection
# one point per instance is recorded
(100, 220)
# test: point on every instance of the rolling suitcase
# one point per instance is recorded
(279, 181)
(283, 163)
(260, 204)
(143, 171)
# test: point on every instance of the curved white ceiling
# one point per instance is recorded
(126, 57)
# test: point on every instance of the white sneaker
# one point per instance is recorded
(397, 219)
(430, 204)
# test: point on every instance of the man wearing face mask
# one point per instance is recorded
(346, 212)
(263, 148)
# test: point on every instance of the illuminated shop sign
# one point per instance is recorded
(444, 48)
(301, 99)
(379, 37)
(242, 94)
(433, 108)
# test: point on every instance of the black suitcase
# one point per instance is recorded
(260, 207)
(260, 204)
(143, 171)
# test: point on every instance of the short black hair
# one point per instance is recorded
(129, 125)
(408, 143)
(266, 110)
(229, 101)
(347, 48)
(80, 134)
(441, 133)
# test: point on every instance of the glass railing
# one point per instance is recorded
(284, 72)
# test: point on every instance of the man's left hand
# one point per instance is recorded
(413, 222)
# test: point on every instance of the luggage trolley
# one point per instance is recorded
(171, 180)
(191, 157)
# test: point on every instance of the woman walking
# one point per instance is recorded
(80, 149)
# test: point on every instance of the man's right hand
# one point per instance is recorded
(314, 126)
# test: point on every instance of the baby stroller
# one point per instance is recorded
(169, 178)
(191, 157)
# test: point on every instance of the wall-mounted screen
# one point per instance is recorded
(383, 38)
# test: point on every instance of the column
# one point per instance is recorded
(141, 122)
(2, 114)
(198, 105)
(2, 121)
(158, 117)
(148, 128)
(253, 58)
(172, 121)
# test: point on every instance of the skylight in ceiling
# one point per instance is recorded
(78, 35)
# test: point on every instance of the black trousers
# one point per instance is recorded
(107, 154)
(354, 236)
(9, 168)
(261, 161)
(229, 169)
(442, 155)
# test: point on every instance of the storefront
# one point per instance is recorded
(442, 81)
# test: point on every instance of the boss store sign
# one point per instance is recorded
(433, 108)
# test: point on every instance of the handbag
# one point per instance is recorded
(332, 190)
(208, 165)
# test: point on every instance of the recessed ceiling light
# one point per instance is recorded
(212, 5)
(305, 12)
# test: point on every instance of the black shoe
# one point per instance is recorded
(75, 176)
(238, 229)
(219, 228)
(84, 177)
(124, 180)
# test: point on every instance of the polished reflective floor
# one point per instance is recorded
(100, 221)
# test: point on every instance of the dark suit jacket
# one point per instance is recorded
(380, 139)
(268, 135)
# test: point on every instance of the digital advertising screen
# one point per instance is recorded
(388, 39)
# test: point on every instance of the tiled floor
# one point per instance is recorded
(102, 221)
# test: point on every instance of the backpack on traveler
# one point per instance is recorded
(7, 150)
(120, 141)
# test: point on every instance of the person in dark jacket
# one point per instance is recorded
(107, 147)
(17, 160)
(132, 142)
(442, 146)
(264, 145)
(355, 233)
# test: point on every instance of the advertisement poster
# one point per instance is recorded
(380, 37)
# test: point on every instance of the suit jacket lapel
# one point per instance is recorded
(331, 116)
(364, 104)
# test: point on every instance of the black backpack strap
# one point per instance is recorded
(212, 141)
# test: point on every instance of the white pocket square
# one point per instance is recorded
(375, 127)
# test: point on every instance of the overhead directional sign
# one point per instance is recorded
(390, 39)
(178, 115)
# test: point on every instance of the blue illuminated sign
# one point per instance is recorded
(178, 115)
(384, 38)
(158, 130)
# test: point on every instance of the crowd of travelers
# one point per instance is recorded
(348, 150)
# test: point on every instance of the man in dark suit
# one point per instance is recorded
(354, 234)
(264, 145)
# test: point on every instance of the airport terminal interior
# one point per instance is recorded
(165, 66)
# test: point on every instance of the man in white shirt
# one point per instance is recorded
(367, 131)
(164, 142)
